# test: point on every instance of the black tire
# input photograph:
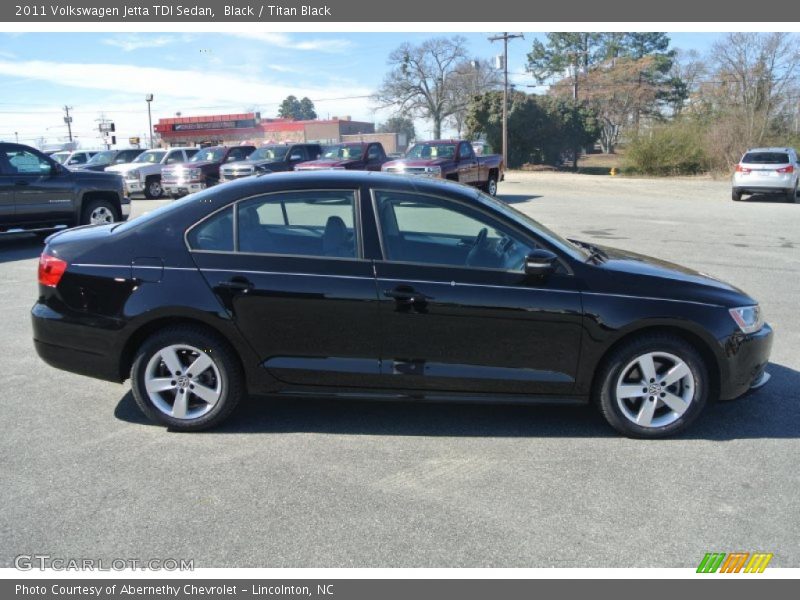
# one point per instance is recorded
(791, 194)
(491, 185)
(231, 379)
(98, 207)
(611, 370)
(736, 195)
(152, 188)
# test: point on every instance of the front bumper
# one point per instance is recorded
(133, 186)
(745, 362)
(125, 208)
(182, 188)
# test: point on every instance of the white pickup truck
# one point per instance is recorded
(143, 175)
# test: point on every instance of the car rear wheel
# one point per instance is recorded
(186, 378)
(652, 387)
(153, 189)
(791, 194)
(99, 212)
(736, 195)
(491, 185)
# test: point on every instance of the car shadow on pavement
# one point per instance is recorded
(767, 199)
(516, 198)
(20, 247)
(771, 412)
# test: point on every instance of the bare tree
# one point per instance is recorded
(754, 72)
(471, 79)
(422, 79)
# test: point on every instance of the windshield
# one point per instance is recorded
(432, 151)
(577, 252)
(214, 154)
(102, 158)
(150, 157)
(60, 157)
(342, 151)
(269, 153)
(766, 158)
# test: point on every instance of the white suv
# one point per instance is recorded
(144, 173)
(767, 171)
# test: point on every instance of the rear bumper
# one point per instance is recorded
(90, 351)
(746, 360)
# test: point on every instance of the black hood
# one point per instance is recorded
(628, 272)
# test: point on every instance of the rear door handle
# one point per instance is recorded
(237, 284)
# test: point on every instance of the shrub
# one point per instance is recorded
(674, 149)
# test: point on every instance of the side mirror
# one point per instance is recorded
(540, 263)
(295, 157)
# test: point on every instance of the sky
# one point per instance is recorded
(109, 74)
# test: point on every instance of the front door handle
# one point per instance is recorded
(237, 284)
(406, 295)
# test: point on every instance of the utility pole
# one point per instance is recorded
(68, 121)
(149, 98)
(505, 37)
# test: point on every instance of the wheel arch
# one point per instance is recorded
(145, 330)
(697, 341)
(92, 195)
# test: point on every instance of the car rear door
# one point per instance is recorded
(296, 283)
(459, 316)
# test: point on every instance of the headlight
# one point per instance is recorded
(133, 174)
(434, 170)
(748, 318)
(193, 174)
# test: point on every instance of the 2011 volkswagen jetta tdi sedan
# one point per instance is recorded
(386, 287)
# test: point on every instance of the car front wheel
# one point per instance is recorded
(653, 386)
(186, 378)
(99, 212)
(153, 189)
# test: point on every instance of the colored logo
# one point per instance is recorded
(735, 562)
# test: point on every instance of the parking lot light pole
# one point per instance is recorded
(149, 98)
(505, 37)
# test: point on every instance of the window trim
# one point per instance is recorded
(513, 226)
(357, 229)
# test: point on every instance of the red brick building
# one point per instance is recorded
(250, 127)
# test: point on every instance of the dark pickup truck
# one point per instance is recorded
(270, 159)
(353, 156)
(451, 159)
(202, 170)
(38, 195)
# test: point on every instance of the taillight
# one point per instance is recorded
(789, 169)
(51, 269)
(741, 169)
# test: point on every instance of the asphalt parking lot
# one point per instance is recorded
(331, 483)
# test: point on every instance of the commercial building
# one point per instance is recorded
(250, 127)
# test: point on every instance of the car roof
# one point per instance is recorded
(771, 149)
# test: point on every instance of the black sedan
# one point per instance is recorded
(386, 287)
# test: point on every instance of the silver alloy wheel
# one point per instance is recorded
(101, 215)
(492, 187)
(154, 187)
(655, 389)
(183, 382)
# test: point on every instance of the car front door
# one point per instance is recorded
(296, 284)
(42, 192)
(458, 313)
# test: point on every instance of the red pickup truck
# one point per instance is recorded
(451, 159)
